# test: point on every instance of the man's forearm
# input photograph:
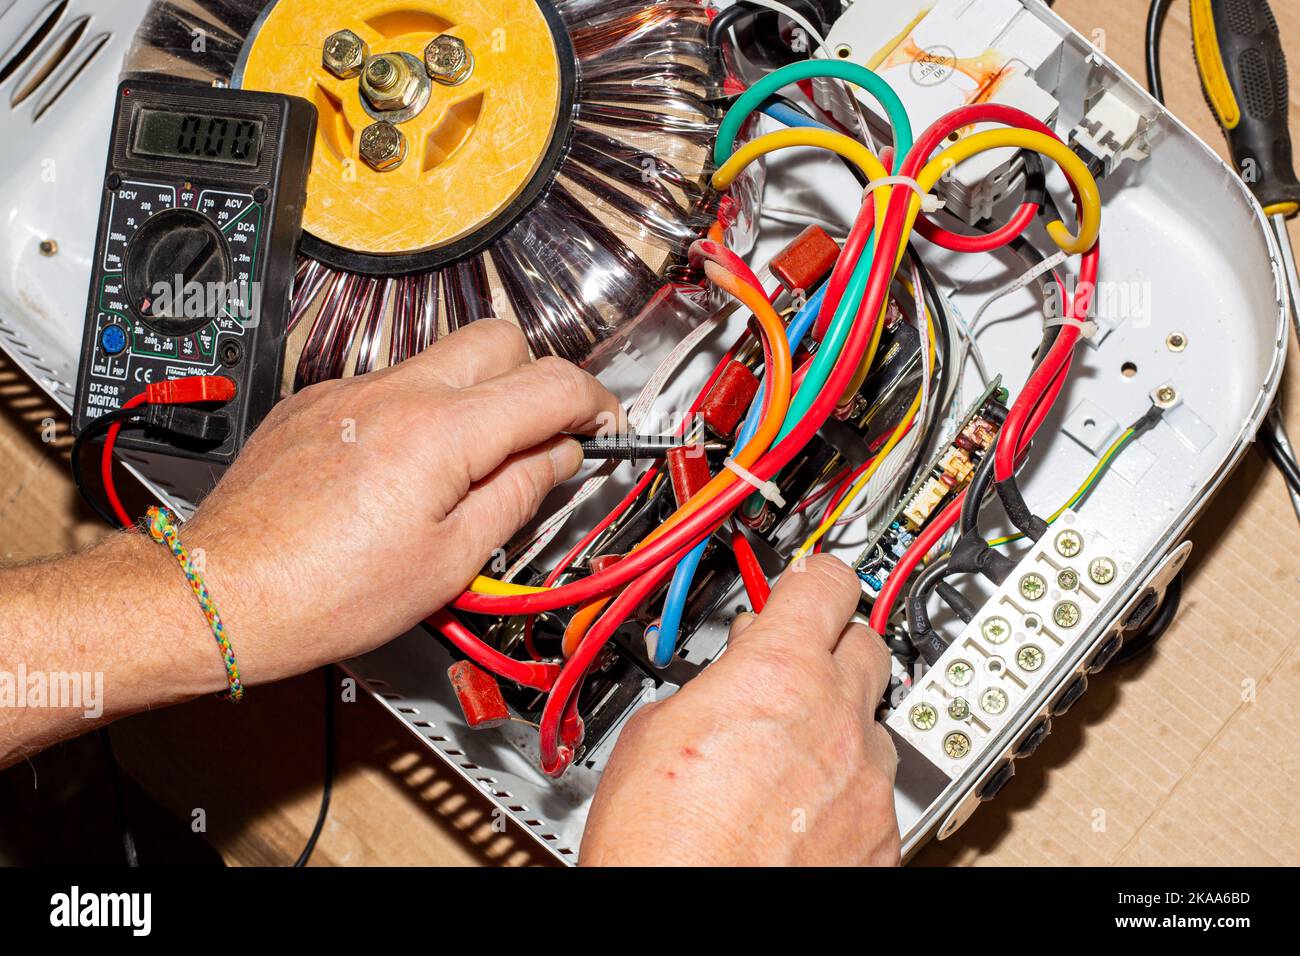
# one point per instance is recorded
(95, 636)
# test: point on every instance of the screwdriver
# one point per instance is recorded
(1243, 73)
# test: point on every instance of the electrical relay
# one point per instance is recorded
(198, 228)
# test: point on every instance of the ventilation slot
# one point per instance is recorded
(31, 38)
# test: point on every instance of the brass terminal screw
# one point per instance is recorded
(1068, 579)
(448, 60)
(344, 54)
(923, 716)
(1166, 395)
(383, 146)
(1029, 658)
(956, 745)
(1101, 570)
(1032, 586)
(959, 709)
(994, 700)
(960, 673)
(996, 630)
(1176, 341)
(1069, 543)
(1066, 614)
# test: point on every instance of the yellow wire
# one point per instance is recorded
(1088, 228)
(829, 521)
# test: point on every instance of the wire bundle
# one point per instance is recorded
(847, 318)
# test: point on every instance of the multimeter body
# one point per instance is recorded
(195, 254)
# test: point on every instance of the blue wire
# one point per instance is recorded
(790, 117)
(679, 590)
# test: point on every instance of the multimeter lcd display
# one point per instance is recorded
(199, 137)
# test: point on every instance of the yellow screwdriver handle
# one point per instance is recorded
(1243, 73)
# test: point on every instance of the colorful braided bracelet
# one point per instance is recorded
(162, 528)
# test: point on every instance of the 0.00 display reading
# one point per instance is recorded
(200, 137)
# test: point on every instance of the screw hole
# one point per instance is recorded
(1128, 369)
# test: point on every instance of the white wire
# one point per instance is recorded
(972, 329)
(799, 218)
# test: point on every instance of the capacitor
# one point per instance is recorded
(479, 696)
(729, 399)
(688, 468)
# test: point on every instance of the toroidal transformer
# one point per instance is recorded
(537, 161)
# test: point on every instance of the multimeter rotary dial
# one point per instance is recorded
(177, 270)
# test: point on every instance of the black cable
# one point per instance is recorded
(1285, 463)
(96, 428)
(327, 785)
(1155, 25)
(119, 799)
(1145, 639)
(723, 23)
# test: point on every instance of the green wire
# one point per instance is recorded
(1086, 489)
(841, 323)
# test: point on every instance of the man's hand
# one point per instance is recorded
(771, 756)
(362, 505)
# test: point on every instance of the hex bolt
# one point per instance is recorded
(381, 73)
(1101, 570)
(993, 701)
(959, 709)
(1029, 657)
(996, 629)
(1068, 579)
(923, 716)
(1069, 543)
(956, 745)
(1066, 614)
(960, 673)
(448, 60)
(1032, 586)
(383, 146)
(344, 54)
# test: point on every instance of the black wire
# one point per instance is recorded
(724, 22)
(1285, 463)
(327, 786)
(88, 434)
(945, 371)
(119, 799)
(1143, 640)
(1155, 25)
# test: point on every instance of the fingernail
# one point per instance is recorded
(566, 458)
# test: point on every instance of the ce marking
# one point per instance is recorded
(144, 375)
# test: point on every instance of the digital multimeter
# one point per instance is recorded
(194, 261)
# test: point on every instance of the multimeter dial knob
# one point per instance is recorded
(177, 268)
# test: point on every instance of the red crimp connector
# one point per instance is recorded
(729, 399)
(187, 391)
(603, 562)
(807, 260)
(479, 695)
(688, 467)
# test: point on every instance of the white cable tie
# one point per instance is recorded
(768, 489)
(1087, 329)
(929, 203)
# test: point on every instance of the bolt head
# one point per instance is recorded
(344, 54)
(448, 60)
(392, 83)
(383, 146)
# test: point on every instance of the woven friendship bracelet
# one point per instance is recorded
(162, 528)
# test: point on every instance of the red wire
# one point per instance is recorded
(106, 463)
(535, 674)
(751, 572)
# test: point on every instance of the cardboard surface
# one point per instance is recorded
(1184, 757)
